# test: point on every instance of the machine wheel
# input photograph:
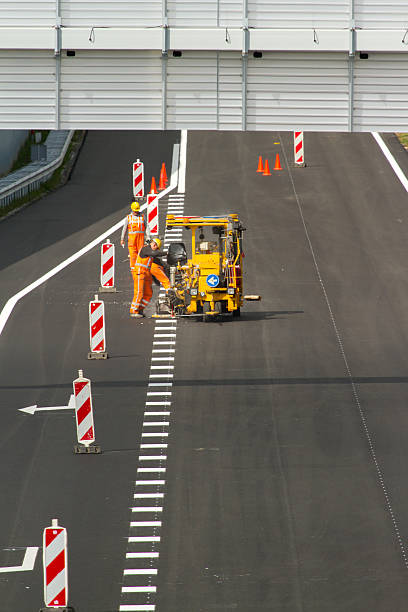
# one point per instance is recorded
(236, 312)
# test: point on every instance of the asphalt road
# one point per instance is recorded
(285, 486)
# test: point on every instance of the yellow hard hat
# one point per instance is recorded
(135, 206)
(157, 241)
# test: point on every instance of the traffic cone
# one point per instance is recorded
(153, 188)
(163, 177)
(266, 171)
(277, 163)
(260, 166)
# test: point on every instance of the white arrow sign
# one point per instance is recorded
(28, 561)
(35, 408)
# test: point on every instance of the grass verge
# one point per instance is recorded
(403, 138)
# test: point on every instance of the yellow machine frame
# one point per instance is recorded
(221, 257)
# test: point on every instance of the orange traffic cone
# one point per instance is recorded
(163, 177)
(277, 163)
(153, 188)
(266, 169)
(260, 166)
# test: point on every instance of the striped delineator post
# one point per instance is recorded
(299, 149)
(153, 214)
(107, 267)
(55, 563)
(138, 179)
(84, 415)
(97, 339)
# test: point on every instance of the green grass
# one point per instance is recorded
(403, 138)
(52, 184)
(24, 155)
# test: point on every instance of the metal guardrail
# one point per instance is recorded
(29, 178)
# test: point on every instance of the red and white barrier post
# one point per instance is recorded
(153, 214)
(55, 563)
(138, 179)
(107, 267)
(299, 149)
(84, 415)
(97, 338)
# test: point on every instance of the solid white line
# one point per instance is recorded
(162, 367)
(391, 159)
(163, 327)
(156, 423)
(149, 482)
(142, 555)
(158, 393)
(157, 404)
(152, 458)
(154, 446)
(152, 470)
(170, 350)
(163, 343)
(163, 375)
(151, 413)
(165, 335)
(140, 589)
(144, 539)
(154, 434)
(160, 384)
(182, 162)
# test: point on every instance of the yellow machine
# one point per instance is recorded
(211, 282)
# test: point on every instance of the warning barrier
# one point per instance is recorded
(299, 149)
(153, 214)
(84, 415)
(55, 563)
(97, 338)
(107, 267)
(138, 179)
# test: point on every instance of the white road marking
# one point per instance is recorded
(27, 564)
(162, 367)
(152, 457)
(391, 159)
(182, 162)
(169, 375)
(142, 555)
(144, 539)
(131, 608)
(150, 393)
(128, 572)
(146, 509)
(139, 589)
(149, 482)
(163, 350)
(35, 408)
(153, 445)
(147, 496)
(167, 413)
(145, 524)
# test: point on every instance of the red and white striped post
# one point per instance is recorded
(55, 563)
(97, 339)
(299, 149)
(107, 267)
(138, 179)
(153, 214)
(84, 415)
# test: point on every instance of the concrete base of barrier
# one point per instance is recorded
(81, 449)
(107, 289)
(97, 355)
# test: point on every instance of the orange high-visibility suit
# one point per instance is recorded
(135, 226)
(142, 273)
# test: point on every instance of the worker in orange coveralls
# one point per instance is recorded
(135, 226)
(144, 268)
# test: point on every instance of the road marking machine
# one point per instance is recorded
(211, 282)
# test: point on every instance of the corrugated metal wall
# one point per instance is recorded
(27, 13)
(382, 14)
(124, 13)
(27, 89)
(115, 89)
(306, 90)
(300, 14)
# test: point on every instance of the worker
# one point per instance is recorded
(135, 226)
(147, 265)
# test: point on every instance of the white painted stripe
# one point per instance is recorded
(160, 328)
(153, 445)
(158, 404)
(145, 524)
(155, 434)
(158, 393)
(153, 458)
(161, 342)
(139, 589)
(152, 470)
(163, 359)
(150, 571)
(142, 555)
(160, 384)
(147, 495)
(144, 539)
(391, 160)
(182, 162)
(156, 423)
(162, 367)
(146, 509)
(170, 350)
(163, 321)
(169, 375)
(165, 335)
(158, 413)
(132, 608)
(149, 482)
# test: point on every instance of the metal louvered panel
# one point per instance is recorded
(300, 14)
(27, 85)
(381, 93)
(192, 91)
(230, 13)
(27, 13)
(129, 13)
(380, 14)
(229, 91)
(112, 90)
(192, 13)
(306, 90)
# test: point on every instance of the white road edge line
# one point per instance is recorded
(175, 180)
(391, 159)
